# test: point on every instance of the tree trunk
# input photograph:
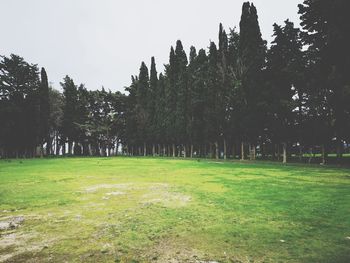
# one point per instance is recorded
(191, 153)
(225, 150)
(217, 157)
(300, 152)
(64, 148)
(254, 152)
(242, 151)
(339, 149)
(233, 151)
(41, 151)
(311, 155)
(284, 152)
(48, 145)
(153, 150)
(174, 151)
(211, 155)
(278, 153)
(185, 151)
(144, 149)
(250, 151)
(324, 155)
(263, 151)
(70, 146)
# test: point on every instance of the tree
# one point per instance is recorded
(141, 107)
(326, 34)
(285, 64)
(151, 104)
(198, 93)
(69, 128)
(181, 96)
(44, 112)
(55, 119)
(252, 58)
(19, 107)
(171, 100)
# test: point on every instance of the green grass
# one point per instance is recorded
(165, 210)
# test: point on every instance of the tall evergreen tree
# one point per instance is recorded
(171, 101)
(198, 93)
(44, 111)
(143, 118)
(69, 128)
(19, 107)
(152, 102)
(284, 77)
(326, 34)
(181, 97)
(252, 58)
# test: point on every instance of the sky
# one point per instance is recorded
(102, 42)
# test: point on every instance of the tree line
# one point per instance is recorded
(38, 120)
(241, 98)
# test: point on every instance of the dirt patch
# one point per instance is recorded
(126, 187)
(151, 193)
(115, 193)
(175, 252)
(95, 188)
(166, 198)
(17, 243)
(12, 222)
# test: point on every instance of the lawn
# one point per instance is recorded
(169, 210)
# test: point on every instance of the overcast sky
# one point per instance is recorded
(102, 42)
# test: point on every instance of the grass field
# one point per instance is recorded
(164, 210)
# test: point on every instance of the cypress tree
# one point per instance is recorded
(171, 101)
(152, 102)
(44, 112)
(284, 74)
(191, 98)
(69, 128)
(199, 97)
(252, 58)
(142, 107)
(181, 103)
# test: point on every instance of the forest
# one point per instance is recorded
(240, 98)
